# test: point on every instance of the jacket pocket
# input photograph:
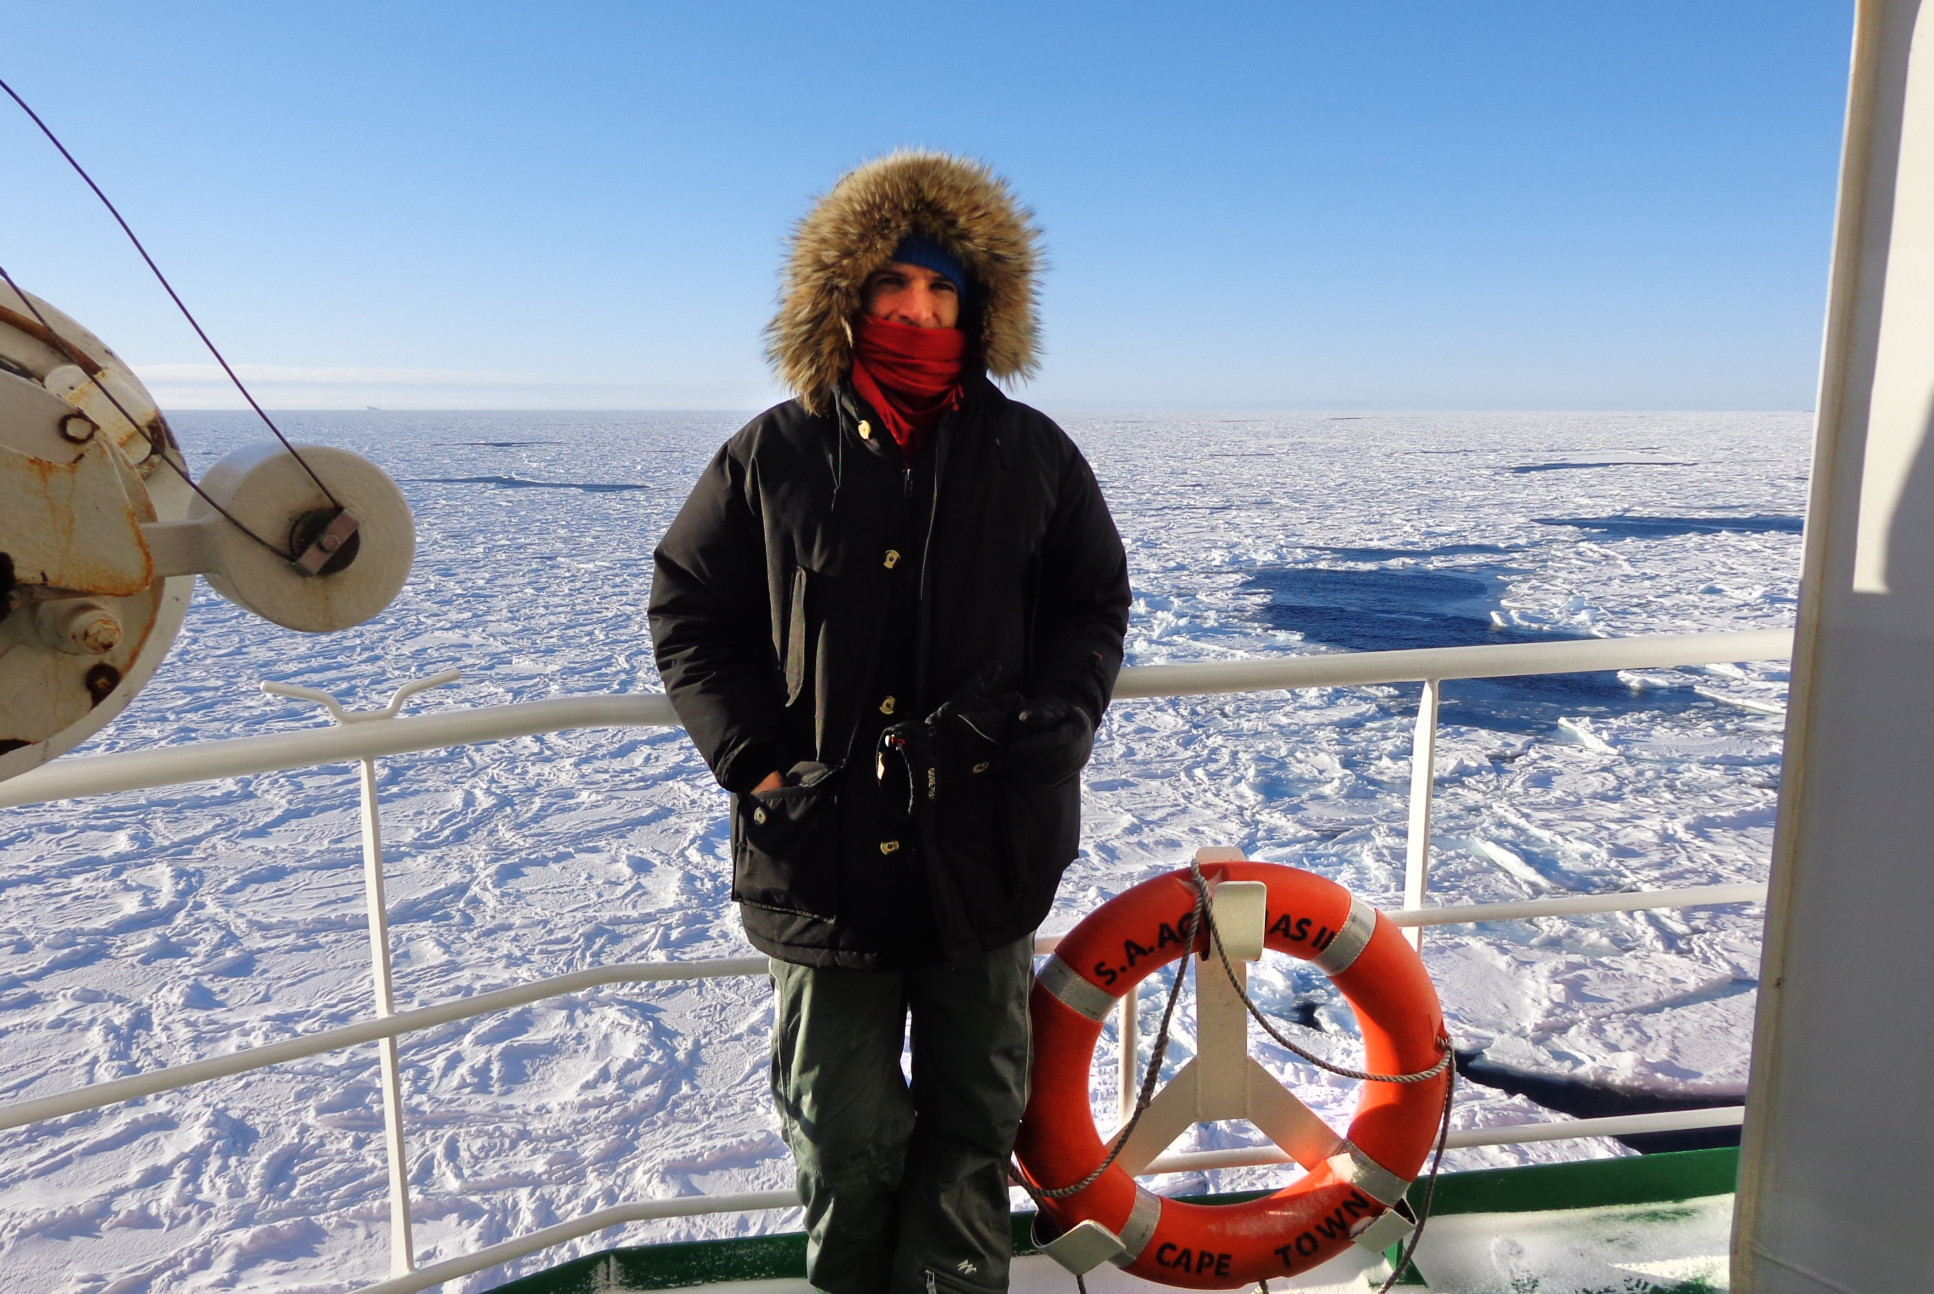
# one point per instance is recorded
(1043, 828)
(785, 845)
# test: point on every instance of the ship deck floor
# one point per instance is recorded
(1652, 1224)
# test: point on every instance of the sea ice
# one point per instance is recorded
(144, 930)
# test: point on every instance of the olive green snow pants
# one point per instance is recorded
(905, 1186)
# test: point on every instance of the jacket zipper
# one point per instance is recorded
(923, 643)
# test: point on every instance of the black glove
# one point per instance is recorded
(1049, 743)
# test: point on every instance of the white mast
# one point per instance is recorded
(1839, 1142)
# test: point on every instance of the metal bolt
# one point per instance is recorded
(886, 706)
(866, 430)
(79, 628)
(96, 633)
(77, 427)
(892, 558)
(101, 681)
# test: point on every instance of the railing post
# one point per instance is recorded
(402, 1245)
(1130, 1061)
(1423, 784)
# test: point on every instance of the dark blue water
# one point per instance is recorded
(518, 483)
(1672, 527)
(1584, 467)
(1386, 554)
(1405, 607)
(1586, 1100)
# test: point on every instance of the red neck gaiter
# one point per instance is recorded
(911, 376)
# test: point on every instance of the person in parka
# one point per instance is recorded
(890, 616)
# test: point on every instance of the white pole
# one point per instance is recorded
(1508, 1134)
(70, 777)
(1130, 1062)
(114, 1091)
(1838, 1152)
(1423, 783)
(1571, 905)
(684, 1206)
(402, 1248)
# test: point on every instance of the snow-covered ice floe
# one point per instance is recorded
(144, 930)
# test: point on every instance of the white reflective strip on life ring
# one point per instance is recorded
(1341, 952)
(1140, 1227)
(1367, 1175)
(1074, 992)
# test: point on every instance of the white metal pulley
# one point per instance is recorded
(101, 534)
(267, 489)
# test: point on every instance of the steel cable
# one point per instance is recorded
(160, 449)
(180, 305)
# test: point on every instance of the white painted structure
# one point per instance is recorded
(1839, 1143)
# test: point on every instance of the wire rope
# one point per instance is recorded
(160, 448)
(187, 314)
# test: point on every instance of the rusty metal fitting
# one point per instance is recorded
(77, 626)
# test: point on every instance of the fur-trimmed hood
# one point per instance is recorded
(852, 231)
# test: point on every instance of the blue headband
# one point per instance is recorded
(918, 249)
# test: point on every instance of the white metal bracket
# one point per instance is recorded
(1223, 1081)
(1084, 1246)
(1390, 1227)
(402, 1245)
(389, 711)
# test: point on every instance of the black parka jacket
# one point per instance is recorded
(818, 598)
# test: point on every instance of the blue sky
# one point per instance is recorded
(1285, 205)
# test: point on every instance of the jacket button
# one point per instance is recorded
(886, 706)
(889, 846)
(866, 430)
(892, 558)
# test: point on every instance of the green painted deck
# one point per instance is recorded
(1575, 1225)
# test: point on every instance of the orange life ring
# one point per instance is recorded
(1313, 1219)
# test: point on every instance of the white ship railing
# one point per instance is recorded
(366, 737)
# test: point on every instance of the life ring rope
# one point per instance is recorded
(1145, 1097)
(1331, 1158)
(1362, 924)
(1338, 954)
